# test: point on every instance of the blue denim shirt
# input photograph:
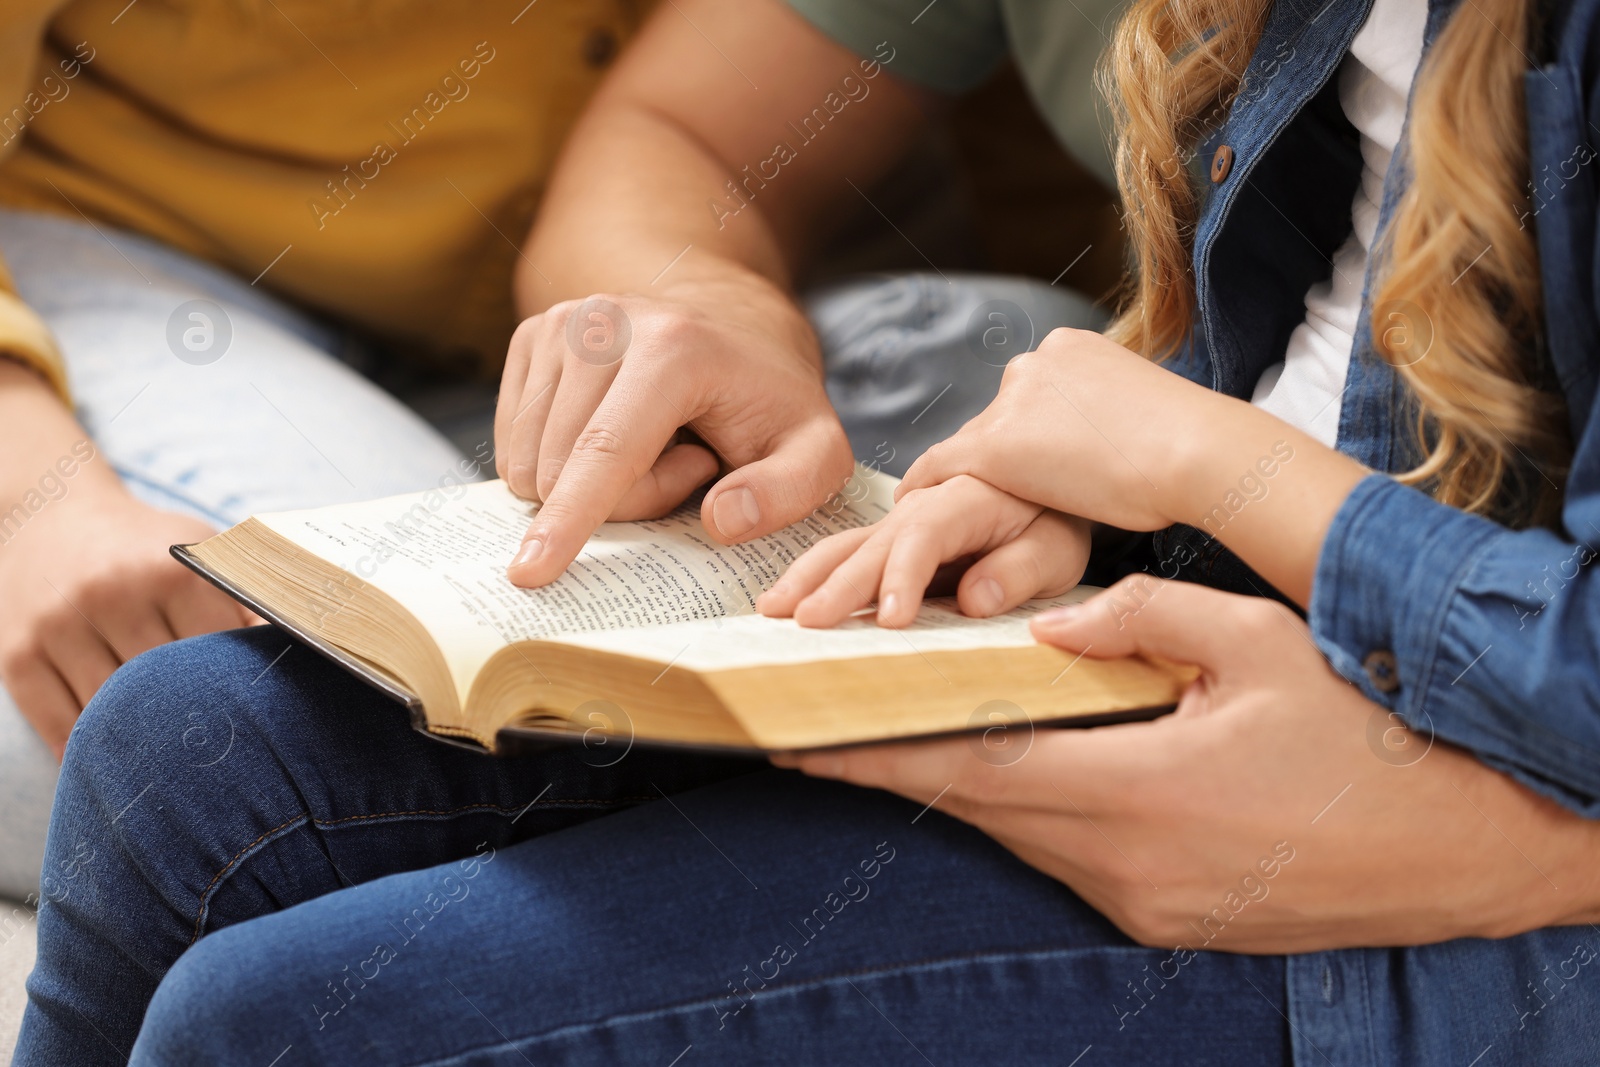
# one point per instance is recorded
(1494, 633)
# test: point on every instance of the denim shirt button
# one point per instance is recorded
(1221, 164)
(1382, 670)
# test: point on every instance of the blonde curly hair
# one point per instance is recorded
(1492, 432)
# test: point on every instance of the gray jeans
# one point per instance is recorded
(910, 358)
(249, 408)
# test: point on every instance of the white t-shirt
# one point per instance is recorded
(1305, 389)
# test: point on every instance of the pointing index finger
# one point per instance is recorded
(618, 446)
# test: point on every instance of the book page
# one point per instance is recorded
(755, 641)
(442, 554)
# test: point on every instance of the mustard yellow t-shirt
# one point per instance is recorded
(378, 160)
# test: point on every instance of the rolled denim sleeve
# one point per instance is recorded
(1494, 633)
(950, 45)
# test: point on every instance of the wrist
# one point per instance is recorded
(1231, 454)
(1583, 844)
(751, 301)
(1263, 488)
(1201, 461)
(43, 449)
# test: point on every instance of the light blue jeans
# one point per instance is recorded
(279, 420)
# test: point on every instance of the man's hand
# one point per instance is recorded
(618, 407)
(87, 585)
(684, 198)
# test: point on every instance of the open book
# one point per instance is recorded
(650, 634)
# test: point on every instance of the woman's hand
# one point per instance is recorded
(1276, 811)
(1025, 552)
(1086, 427)
(87, 585)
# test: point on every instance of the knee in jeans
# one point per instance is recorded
(215, 1005)
(185, 707)
(152, 713)
(163, 738)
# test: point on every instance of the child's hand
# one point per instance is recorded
(1024, 551)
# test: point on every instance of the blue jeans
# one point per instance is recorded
(255, 857)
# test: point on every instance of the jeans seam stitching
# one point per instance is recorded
(238, 858)
(805, 986)
(305, 817)
(586, 801)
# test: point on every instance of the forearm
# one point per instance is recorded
(40, 439)
(627, 212)
(682, 172)
(1266, 490)
(645, 228)
(1578, 841)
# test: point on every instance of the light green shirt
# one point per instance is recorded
(953, 45)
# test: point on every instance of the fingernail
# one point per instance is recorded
(1061, 616)
(888, 604)
(530, 552)
(736, 511)
(987, 596)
